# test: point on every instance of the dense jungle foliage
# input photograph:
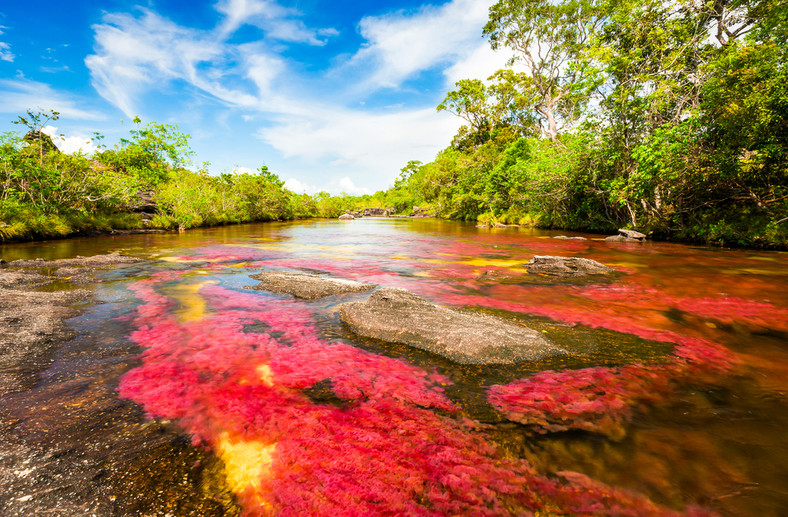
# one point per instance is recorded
(142, 182)
(667, 117)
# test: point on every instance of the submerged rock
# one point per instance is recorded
(109, 259)
(565, 238)
(306, 285)
(31, 322)
(399, 316)
(626, 236)
(77, 270)
(566, 266)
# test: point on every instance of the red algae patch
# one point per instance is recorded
(395, 446)
(601, 399)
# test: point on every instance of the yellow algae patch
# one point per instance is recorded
(192, 305)
(477, 262)
(266, 375)
(492, 262)
(338, 250)
(179, 260)
(246, 463)
(239, 264)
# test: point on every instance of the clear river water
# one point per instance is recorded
(185, 393)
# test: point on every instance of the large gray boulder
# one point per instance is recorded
(399, 316)
(566, 266)
(306, 286)
(346, 217)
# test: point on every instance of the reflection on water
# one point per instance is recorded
(672, 398)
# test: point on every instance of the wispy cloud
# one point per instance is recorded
(21, 94)
(401, 45)
(5, 49)
(132, 54)
(138, 53)
(276, 21)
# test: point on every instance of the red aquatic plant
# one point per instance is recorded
(237, 379)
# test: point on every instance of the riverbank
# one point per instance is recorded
(485, 226)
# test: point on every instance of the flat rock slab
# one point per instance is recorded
(306, 286)
(31, 322)
(77, 270)
(566, 266)
(399, 316)
(109, 259)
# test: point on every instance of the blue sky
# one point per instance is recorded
(331, 95)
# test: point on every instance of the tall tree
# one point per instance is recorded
(548, 37)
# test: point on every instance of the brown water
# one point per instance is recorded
(252, 402)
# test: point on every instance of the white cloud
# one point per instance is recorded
(70, 144)
(5, 49)
(5, 52)
(481, 63)
(243, 170)
(133, 54)
(345, 185)
(299, 187)
(20, 95)
(374, 145)
(277, 22)
(401, 45)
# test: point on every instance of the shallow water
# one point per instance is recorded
(673, 395)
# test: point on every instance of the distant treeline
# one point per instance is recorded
(667, 117)
(141, 183)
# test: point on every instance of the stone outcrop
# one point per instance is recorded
(306, 286)
(626, 236)
(376, 212)
(36, 138)
(109, 259)
(31, 321)
(399, 316)
(77, 270)
(566, 266)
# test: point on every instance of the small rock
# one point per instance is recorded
(631, 234)
(626, 236)
(566, 266)
(399, 316)
(565, 238)
(346, 217)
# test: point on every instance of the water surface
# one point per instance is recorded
(672, 397)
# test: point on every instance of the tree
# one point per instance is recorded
(35, 121)
(548, 37)
(470, 102)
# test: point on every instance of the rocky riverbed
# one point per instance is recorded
(68, 445)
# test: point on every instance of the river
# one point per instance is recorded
(184, 393)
